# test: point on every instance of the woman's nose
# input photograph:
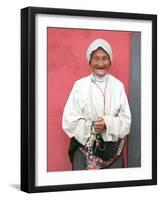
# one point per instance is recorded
(100, 62)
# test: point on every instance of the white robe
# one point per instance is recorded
(85, 104)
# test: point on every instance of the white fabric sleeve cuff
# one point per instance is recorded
(112, 128)
(83, 131)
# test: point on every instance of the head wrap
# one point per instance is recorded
(99, 43)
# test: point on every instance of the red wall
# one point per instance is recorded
(66, 63)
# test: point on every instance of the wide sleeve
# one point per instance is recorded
(74, 122)
(118, 126)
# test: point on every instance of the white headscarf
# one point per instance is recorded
(99, 43)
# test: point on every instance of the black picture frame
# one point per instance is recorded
(28, 103)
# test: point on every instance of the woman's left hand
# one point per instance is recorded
(99, 125)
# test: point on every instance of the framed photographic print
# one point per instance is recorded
(88, 99)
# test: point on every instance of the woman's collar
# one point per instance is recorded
(96, 78)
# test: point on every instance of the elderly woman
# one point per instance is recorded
(97, 116)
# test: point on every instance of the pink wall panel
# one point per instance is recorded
(66, 63)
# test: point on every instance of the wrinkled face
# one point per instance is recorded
(100, 62)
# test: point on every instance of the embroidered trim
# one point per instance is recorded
(94, 162)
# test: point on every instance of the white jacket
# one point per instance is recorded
(85, 104)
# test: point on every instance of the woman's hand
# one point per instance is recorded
(99, 125)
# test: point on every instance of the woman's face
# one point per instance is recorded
(100, 62)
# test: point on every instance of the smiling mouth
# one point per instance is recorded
(100, 68)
